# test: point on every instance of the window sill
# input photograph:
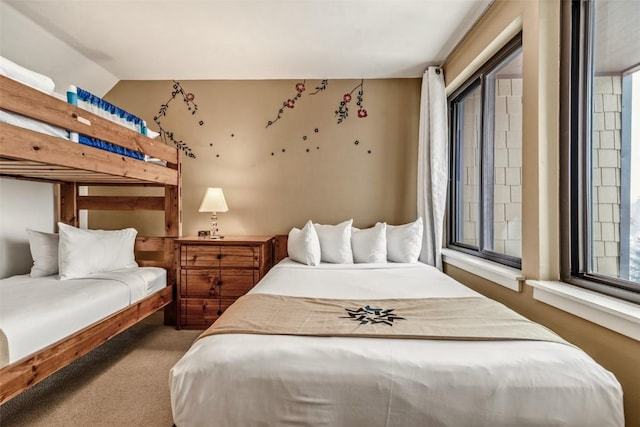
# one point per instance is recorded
(508, 277)
(612, 313)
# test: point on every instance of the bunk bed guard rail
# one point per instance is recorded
(105, 109)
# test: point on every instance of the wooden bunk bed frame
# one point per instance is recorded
(25, 154)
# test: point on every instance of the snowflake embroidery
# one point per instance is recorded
(369, 315)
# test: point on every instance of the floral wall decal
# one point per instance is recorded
(351, 99)
(289, 103)
(188, 99)
(343, 110)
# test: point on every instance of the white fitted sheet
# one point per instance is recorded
(329, 381)
(36, 312)
(32, 124)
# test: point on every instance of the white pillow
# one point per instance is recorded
(83, 252)
(335, 242)
(44, 251)
(303, 245)
(370, 244)
(404, 242)
(24, 75)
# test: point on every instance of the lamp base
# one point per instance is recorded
(213, 235)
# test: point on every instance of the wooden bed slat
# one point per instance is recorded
(33, 369)
(152, 244)
(21, 99)
(47, 149)
(150, 263)
(121, 203)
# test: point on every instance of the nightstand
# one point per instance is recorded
(212, 274)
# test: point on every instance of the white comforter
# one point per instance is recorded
(256, 380)
(36, 312)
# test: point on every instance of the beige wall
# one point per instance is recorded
(272, 193)
(539, 22)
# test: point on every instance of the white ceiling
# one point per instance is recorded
(258, 39)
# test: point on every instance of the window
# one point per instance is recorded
(601, 142)
(485, 201)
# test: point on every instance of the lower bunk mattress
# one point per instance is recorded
(235, 379)
(37, 312)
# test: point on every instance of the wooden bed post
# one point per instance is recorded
(67, 203)
(172, 229)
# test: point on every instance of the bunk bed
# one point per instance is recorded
(33, 155)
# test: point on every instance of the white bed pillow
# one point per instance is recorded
(83, 252)
(404, 242)
(303, 245)
(44, 252)
(28, 77)
(335, 242)
(369, 244)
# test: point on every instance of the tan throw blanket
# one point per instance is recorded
(473, 318)
(4, 350)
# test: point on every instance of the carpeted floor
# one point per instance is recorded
(124, 382)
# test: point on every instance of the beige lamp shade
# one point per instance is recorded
(213, 201)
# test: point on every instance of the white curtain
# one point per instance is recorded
(433, 164)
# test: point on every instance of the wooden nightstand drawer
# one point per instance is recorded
(236, 283)
(219, 256)
(239, 256)
(199, 256)
(201, 313)
(207, 283)
(199, 283)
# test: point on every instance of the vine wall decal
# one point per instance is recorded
(323, 86)
(166, 135)
(343, 110)
(289, 103)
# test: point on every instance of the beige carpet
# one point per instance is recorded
(124, 382)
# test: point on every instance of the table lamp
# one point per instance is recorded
(213, 201)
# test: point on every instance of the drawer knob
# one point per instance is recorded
(219, 283)
(219, 256)
(219, 311)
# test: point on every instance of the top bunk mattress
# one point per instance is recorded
(37, 312)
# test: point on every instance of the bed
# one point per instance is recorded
(272, 379)
(29, 306)
(44, 152)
